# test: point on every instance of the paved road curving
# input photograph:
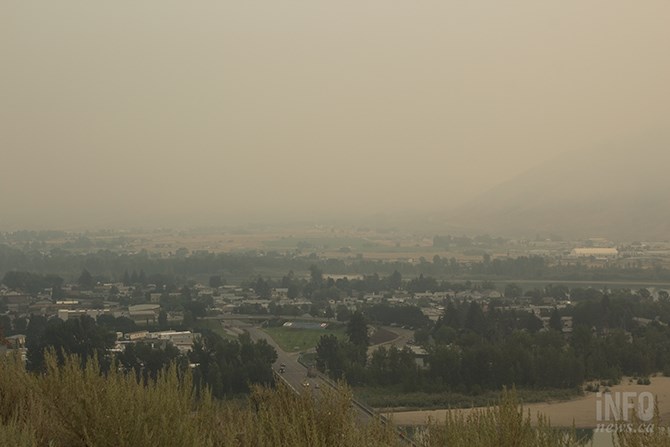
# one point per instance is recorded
(296, 375)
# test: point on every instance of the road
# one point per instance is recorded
(295, 374)
(403, 336)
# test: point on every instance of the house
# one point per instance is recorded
(43, 307)
(280, 293)
(433, 313)
(182, 340)
(373, 297)
(65, 314)
(135, 336)
(17, 302)
(144, 312)
(420, 355)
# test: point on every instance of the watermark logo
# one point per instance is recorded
(624, 406)
(616, 412)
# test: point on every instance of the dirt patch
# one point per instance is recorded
(382, 335)
(581, 411)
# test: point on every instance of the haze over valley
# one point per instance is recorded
(164, 115)
(314, 224)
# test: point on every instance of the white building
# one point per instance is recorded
(65, 314)
(596, 252)
(182, 340)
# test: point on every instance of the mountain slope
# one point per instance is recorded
(620, 191)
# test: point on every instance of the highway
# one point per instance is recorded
(295, 374)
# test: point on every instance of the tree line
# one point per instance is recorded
(471, 350)
(111, 266)
(226, 367)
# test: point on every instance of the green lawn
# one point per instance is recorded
(215, 326)
(293, 340)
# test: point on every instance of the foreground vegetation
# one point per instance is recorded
(71, 406)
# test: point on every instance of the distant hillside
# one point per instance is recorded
(621, 192)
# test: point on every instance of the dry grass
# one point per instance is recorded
(71, 407)
(504, 425)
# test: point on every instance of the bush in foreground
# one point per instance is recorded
(68, 406)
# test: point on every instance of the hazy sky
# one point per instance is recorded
(171, 112)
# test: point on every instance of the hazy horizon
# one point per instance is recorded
(168, 114)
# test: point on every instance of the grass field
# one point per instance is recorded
(294, 340)
(216, 327)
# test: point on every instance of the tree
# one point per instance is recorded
(262, 288)
(230, 366)
(343, 313)
(558, 292)
(107, 321)
(215, 281)
(85, 280)
(20, 325)
(57, 293)
(31, 282)
(329, 356)
(162, 320)
(35, 343)
(126, 278)
(555, 322)
(146, 360)
(5, 324)
(316, 275)
(513, 291)
(357, 330)
(125, 324)
(293, 291)
(475, 319)
(80, 336)
(395, 280)
(188, 320)
(532, 323)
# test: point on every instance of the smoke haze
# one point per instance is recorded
(173, 113)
